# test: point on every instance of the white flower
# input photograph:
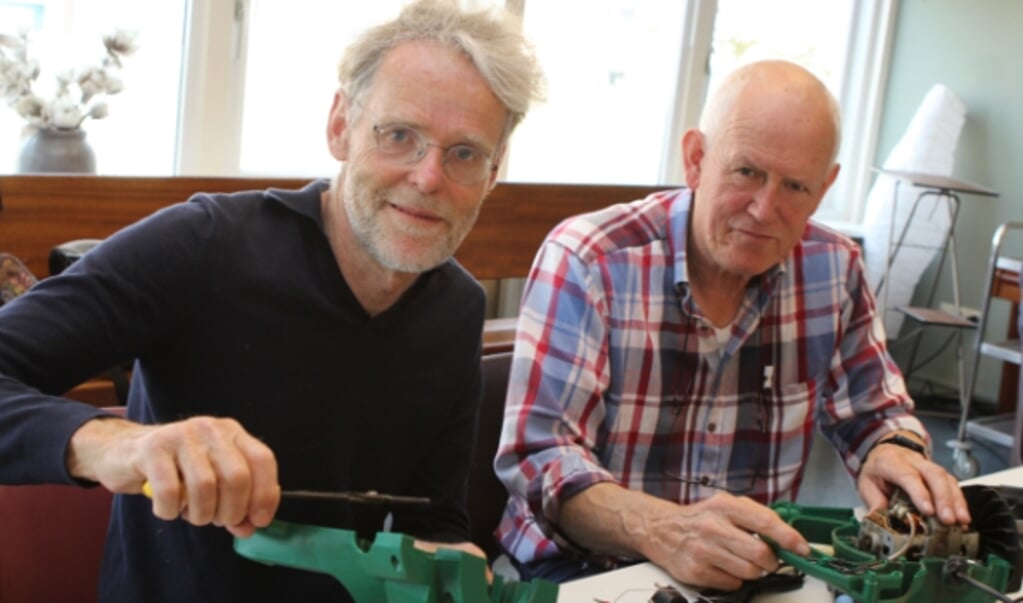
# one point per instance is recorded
(80, 93)
(29, 105)
(65, 112)
(120, 43)
(99, 111)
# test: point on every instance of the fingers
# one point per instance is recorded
(765, 523)
(720, 542)
(940, 491)
(265, 489)
(931, 488)
(210, 471)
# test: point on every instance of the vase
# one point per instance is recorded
(57, 151)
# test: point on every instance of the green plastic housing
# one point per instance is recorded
(389, 569)
(868, 579)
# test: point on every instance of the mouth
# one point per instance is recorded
(418, 215)
(752, 234)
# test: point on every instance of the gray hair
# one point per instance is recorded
(491, 39)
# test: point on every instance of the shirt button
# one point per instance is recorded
(705, 480)
(712, 427)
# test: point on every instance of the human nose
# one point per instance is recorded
(765, 201)
(427, 173)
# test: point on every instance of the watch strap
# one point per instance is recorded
(908, 443)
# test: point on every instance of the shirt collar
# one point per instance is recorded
(304, 201)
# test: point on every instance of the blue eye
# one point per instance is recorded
(464, 153)
(399, 135)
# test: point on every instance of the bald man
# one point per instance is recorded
(675, 354)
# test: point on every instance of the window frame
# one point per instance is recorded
(212, 94)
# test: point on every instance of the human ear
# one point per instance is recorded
(693, 152)
(337, 127)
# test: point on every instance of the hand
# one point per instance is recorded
(205, 470)
(932, 489)
(716, 542)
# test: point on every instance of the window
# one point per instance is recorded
(257, 100)
(626, 78)
(139, 136)
(289, 82)
(610, 91)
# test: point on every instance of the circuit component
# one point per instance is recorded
(901, 531)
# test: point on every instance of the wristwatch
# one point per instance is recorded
(901, 440)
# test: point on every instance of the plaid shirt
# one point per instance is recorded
(617, 375)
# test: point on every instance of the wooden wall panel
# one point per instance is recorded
(40, 211)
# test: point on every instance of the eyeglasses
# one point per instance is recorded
(463, 163)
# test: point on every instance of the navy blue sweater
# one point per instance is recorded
(233, 305)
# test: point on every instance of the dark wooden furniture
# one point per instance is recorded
(38, 212)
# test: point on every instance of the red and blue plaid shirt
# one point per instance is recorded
(617, 375)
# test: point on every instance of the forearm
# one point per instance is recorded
(716, 542)
(607, 519)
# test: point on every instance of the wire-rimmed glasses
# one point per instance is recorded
(463, 163)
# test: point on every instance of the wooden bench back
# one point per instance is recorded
(38, 212)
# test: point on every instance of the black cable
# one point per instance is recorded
(941, 349)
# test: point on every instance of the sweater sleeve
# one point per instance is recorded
(104, 310)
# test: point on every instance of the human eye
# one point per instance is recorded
(745, 176)
(797, 187)
(397, 137)
(468, 154)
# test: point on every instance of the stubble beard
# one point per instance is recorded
(364, 205)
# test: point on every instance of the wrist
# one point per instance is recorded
(903, 441)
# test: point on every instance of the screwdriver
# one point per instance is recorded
(369, 497)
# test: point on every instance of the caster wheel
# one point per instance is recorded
(964, 465)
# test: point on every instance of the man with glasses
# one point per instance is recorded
(675, 354)
(319, 339)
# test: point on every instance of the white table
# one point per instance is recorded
(637, 584)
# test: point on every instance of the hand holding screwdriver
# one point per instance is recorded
(205, 470)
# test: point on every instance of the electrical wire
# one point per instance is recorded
(956, 566)
(909, 541)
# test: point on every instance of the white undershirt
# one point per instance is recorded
(723, 334)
